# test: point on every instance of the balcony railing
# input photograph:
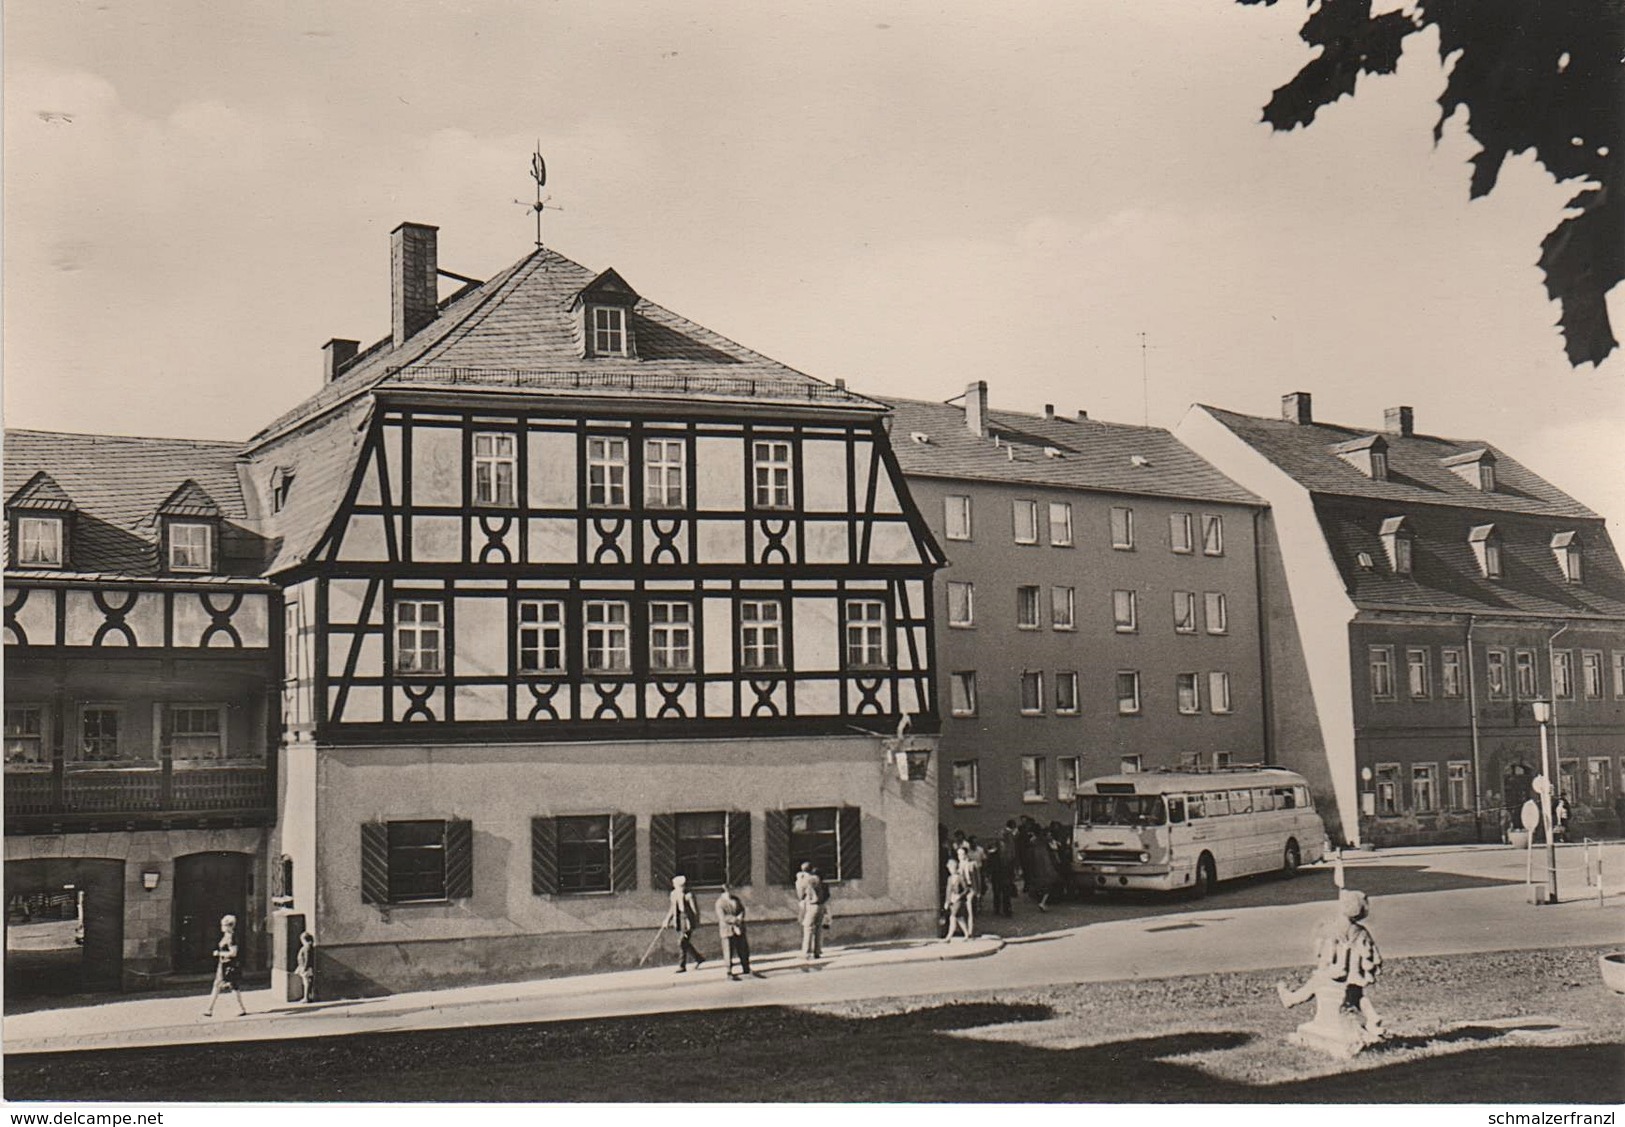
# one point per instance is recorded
(158, 794)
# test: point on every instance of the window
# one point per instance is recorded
(1180, 533)
(1528, 683)
(761, 635)
(1599, 782)
(608, 331)
(1032, 693)
(1402, 555)
(1066, 694)
(541, 636)
(815, 837)
(606, 473)
(956, 516)
(1424, 787)
(1495, 662)
(1067, 777)
(25, 736)
(1125, 612)
(1379, 465)
(1591, 674)
(1417, 679)
(1396, 542)
(1382, 673)
(671, 637)
(702, 847)
(1212, 534)
(961, 604)
(1218, 615)
(1122, 528)
(1184, 612)
(1027, 608)
(189, 543)
(292, 621)
(1619, 676)
(281, 488)
(39, 541)
(1188, 693)
(967, 783)
(1486, 545)
(1128, 693)
(1060, 524)
(1451, 683)
(100, 726)
(1061, 607)
(770, 464)
(865, 634)
(1563, 674)
(1387, 789)
(196, 732)
(417, 862)
(609, 637)
(1566, 547)
(1459, 778)
(583, 851)
(1024, 517)
(1492, 560)
(665, 473)
(962, 693)
(1218, 693)
(419, 636)
(1129, 765)
(494, 469)
(1032, 778)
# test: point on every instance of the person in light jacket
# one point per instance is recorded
(731, 928)
(682, 917)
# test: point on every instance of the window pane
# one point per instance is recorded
(1212, 535)
(665, 462)
(702, 848)
(1060, 524)
(1417, 672)
(956, 516)
(1061, 607)
(813, 838)
(39, 540)
(1032, 778)
(1066, 692)
(1185, 612)
(1187, 693)
(967, 788)
(584, 864)
(1218, 614)
(1032, 692)
(1122, 528)
(1024, 515)
(1179, 531)
(1128, 693)
(25, 735)
(961, 604)
(1218, 693)
(417, 861)
(1125, 611)
(1027, 607)
(963, 686)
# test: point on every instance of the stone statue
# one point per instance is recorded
(1346, 965)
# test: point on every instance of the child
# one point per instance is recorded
(305, 966)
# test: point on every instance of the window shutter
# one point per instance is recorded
(777, 823)
(662, 850)
(459, 860)
(623, 852)
(374, 863)
(544, 856)
(850, 831)
(738, 848)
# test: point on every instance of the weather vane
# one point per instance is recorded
(538, 173)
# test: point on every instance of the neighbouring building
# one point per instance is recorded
(1422, 593)
(1100, 608)
(140, 710)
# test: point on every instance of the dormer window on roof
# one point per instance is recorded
(1566, 547)
(281, 486)
(1369, 455)
(1486, 545)
(40, 513)
(1397, 542)
(1475, 467)
(603, 311)
(190, 522)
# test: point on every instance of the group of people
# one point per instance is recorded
(683, 916)
(1023, 851)
(228, 967)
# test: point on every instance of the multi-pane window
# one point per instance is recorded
(1032, 692)
(608, 331)
(956, 516)
(541, 636)
(189, 544)
(39, 541)
(495, 469)
(1188, 692)
(1495, 665)
(671, 637)
(1024, 519)
(1452, 662)
(1125, 612)
(815, 837)
(1424, 787)
(665, 473)
(962, 692)
(195, 732)
(293, 640)
(702, 847)
(1619, 676)
(865, 633)
(761, 634)
(1591, 674)
(420, 636)
(1218, 692)
(1184, 612)
(608, 636)
(1060, 524)
(961, 604)
(1061, 608)
(1027, 608)
(1066, 694)
(25, 735)
(1599, 781)
(1459, 780)
(1387, 789)
(1180, 532)
(1417, 679)
(1122, 528)
(417, 861)
(967, 783)
(99, 728)
(584, 847)
(1212, 534)
(1032, 778)
(606, 473)
(1067, 777)
(770, 470)
(1382, 673)
(1563, 674)
(1128, 692)
(1528, 682)
(1218, 614)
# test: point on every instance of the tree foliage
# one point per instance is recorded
(1541, 76)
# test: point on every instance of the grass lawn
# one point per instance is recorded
(1513, 1027)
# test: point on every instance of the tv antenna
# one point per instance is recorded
(1145, 380)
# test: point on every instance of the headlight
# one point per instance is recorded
(1144, 857)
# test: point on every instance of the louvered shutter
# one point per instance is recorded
(777, 826)
(374, 863)
(544, 856)
(623, 852)
(459, 860)
(850, 831)
(662, 850)
(738, 848)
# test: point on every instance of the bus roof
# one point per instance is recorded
(1186, 782)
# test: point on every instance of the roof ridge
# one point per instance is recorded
(218, 442)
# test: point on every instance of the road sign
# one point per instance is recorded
(1539, 784)
(1530, 815)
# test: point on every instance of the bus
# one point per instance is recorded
(1188, 830)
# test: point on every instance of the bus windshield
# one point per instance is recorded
(1121, 810)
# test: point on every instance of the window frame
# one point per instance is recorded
(492, 462)
(1216, 623)
(1213, 545)
(59, 538)
(541, 627)
(1134, 700)
(761, 637)
(1218, 690)
(662, 475)
(1428, 774)
(969, 590)
(216, 709)
(1067, 677)
(1187, 625)
(1125, 611)
(1383, 687)
(1419, 672)
(826, 853)
(563, 848)
(609, 471)
(1034, 678)
(1068, 604)
(1029, 506)
(951, 529)
(606, 631)
(772, 476)
(397, 849)
(697, 878)
(1064, 793)
(874, 633)
(1388, 774)
(1591, 674)
(418, 628)
(1032, 779)
(172, 542)
(1501, 667)
(1188, 694)
(1618, 678)
(1452, 666)
(42, 716)
(1065, 539)
(663, 635)
(1182, 527)
(1523, 661)
(962, 687)
(973, 774)
(1123, 542)
(1458, 771)
(1562, 674)
(608, 339)
(1028, 595)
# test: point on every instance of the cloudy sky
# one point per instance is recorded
(198, 194)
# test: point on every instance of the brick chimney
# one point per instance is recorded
(1400, 421)
(976, 408)
(1049, 412)
(414, 279)
(1295, 408)
(336, 355)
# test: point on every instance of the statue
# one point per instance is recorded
(1346, 965)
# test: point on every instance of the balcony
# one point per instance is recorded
(153, 797)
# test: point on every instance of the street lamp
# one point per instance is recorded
(1543, 715)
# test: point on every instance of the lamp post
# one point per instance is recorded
(1543, 716)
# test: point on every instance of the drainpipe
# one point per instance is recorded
(1557, 740)
(1472, 713)
(1265, 696)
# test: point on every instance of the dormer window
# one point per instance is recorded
(39, 541)
(1396, 541)
(191, 529)
(1486, 545)
(603, 317)
(1475, 467)
(40, 513)
(1369, 455)
(608, 331)
(281, 486)
(1566, 547)
(1379, 465)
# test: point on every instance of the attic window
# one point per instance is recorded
(1139, 460)
(39, 541)
(1369, 455)
(1475, 467)
(1052, 452)
(1486, 545)
(190, 545)
(281, 485)
(920, 437)
(1566, 547)
(608, 331)
(1396, 541)
(1363, 561)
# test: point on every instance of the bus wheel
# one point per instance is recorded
(1293, 859)
(1207, 876)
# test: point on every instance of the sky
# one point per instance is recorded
(905, 196)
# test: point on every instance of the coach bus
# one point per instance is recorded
(1179, 830)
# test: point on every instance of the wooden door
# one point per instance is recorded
(207, 886)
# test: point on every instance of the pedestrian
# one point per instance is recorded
(1619, 810)
(227, 969)
(812, 895)
(956, 902)
(1009, 845)
(681, 917)
(1000, 879)
(1040, 866)
(1560, 817)
(978, 856)
(304, 967)
(731, 927)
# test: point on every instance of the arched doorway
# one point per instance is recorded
(1517, 787)
(207, 886)
(64, 926)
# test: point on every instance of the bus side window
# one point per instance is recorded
(1284, 798)
(1218, 804)
(1241, 802)
(1302, 795)
(1176, 809)
(1196, 807)
(1263, 800)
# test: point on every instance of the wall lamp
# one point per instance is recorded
(149, 879)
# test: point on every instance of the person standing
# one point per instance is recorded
(1000, 878)
(682, 917)
(227, 969)
(1039, 864)
(731, 927)
(304, 967)
(956, 902)
(812, 895)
